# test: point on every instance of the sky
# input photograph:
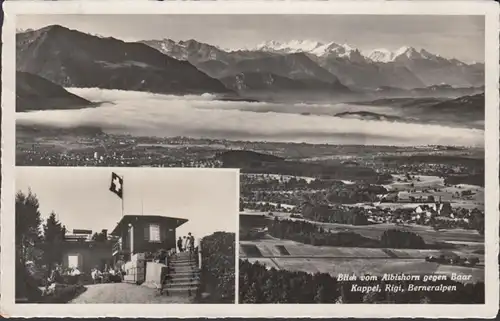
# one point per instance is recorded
(460, 37)
(81, 198)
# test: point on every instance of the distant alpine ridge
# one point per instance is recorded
(298, 70)
(405, 68)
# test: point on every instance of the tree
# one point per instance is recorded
(251, 295)
(28, 223)
(477, 221)
(99, 237)
(320, 296)
(53, 237)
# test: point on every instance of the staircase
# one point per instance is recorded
(183, 276)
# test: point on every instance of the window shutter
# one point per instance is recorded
(163, 235)
(146, 233)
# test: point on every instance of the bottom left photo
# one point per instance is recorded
(125, 235)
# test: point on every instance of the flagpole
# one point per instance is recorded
(123, 193)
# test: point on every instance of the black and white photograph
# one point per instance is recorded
(125, 235)
(362, 153)
(359, 139)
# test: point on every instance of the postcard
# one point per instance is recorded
(251, 158)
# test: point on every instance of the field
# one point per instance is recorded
(269, 248)
(459, 236)
(360, 261)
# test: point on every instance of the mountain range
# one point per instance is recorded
(74, 59)
(405, 68)
(468, 110)
(71, 58)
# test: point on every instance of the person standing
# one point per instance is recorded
(188, 242)
(191, 242)
(179, 244)
(185, 243)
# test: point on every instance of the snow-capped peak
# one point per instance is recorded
(380, 55)
(408, 52)
(290, 46)
(384, 55)
(308, 46)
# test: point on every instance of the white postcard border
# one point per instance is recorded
(486, 8)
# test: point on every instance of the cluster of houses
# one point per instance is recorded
(421, 214)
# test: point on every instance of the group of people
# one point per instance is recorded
(107, 275)
(186, 243)
(58, 275)
(55, 275)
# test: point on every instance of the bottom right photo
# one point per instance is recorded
(313, 252)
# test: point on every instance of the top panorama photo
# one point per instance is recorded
(358, 98)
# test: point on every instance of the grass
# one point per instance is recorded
(271, 248)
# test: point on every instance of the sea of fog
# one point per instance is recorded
(146, 114)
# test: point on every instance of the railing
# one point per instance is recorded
(117, 247)
(198, 257)
(134, 275)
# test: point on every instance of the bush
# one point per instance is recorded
(27, 286)
(218, 267)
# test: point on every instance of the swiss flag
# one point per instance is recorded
(116, 185)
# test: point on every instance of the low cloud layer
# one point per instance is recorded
(148, 114)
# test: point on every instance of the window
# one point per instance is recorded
(154, 233)
(73, 261)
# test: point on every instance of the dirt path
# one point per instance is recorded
(125, 293)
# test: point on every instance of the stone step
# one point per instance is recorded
(183, 254)
(182, 279)
(183, 275)
(181, 262)
(176, 259)
(184, 268)
(180, 266)
(194, 283)
(188, 291)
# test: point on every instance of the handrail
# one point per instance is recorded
(199, 256)
(116, 247)
(165, 277)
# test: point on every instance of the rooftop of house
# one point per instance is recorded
(131, 219)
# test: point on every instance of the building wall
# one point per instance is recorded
(88, 257)
(142, 242)
(141, 237)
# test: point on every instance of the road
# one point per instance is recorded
(125, 293)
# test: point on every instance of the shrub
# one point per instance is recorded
(218, 267)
